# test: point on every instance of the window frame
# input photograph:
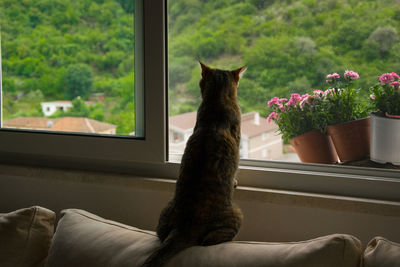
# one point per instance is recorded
(150, 93)
(117, 154)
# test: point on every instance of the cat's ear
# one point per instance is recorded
(239, 72)
(204, 69)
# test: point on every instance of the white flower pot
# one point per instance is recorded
(385, 140)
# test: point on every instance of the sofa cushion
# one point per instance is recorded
(25, 236)
(84, 239)
(327, 251)
(381, 252)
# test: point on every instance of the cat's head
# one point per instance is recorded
(215, 82)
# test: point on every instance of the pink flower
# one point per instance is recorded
(333, 76)
(304, 97)
(271, 116)
(303, 102)
(386, 78)
(318, 92)
(351, 75)
(372, 96)
(274, 101)
(290, 103)
(332, 91)
(395, 84)
(329, 91)
(294, 99)
(395, 75)
(280, 105)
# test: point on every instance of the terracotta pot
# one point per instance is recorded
(385, 139)
(351, 139)
(314, 147)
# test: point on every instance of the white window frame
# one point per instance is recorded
(84, 150)
(148, 156)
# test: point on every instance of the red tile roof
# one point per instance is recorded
(81, 125)
(30, 123)
(184, 121)
(65, 124)
(249, 125)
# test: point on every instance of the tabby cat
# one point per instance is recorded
(202, 212)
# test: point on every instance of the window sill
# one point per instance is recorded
(347, 181)
(343, 181)
(242, 193)
(336, 180)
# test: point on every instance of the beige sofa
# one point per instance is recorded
(84, 239)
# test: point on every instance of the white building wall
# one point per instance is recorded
(49, 108)
(266, 146)
(244, 147)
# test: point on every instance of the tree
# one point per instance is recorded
(384, 38)
(127, 5)
(125, 119)
(300, 85)
(8, 85)
(78, 81)
(78, 109)
(305, 45)
(348, 37)
(261, 3)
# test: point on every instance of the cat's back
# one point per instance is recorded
(213, 148)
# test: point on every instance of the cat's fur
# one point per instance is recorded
(202, 212)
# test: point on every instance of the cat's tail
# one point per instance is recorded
(175, 243)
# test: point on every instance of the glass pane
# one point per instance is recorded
(68, 66)
(289, 47)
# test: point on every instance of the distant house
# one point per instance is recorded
(259, 139)
(65, 124)
(49, 108)
(100, 97)
(180, 129)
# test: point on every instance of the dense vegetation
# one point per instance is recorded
(52, 49)
(288, 45)
(59, 50)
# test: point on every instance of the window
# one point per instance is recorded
(288, 46)
(73, 59)
(82, 149)
(147, 155)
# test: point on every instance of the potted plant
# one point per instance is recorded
(347, 117)
(385, 120)
(301, 122)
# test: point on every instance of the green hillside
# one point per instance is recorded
(289, 46)
(57, 50)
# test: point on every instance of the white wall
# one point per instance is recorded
(269, 215)
(49, 108)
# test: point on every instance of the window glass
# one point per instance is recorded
(68, 66)
(289, 47)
